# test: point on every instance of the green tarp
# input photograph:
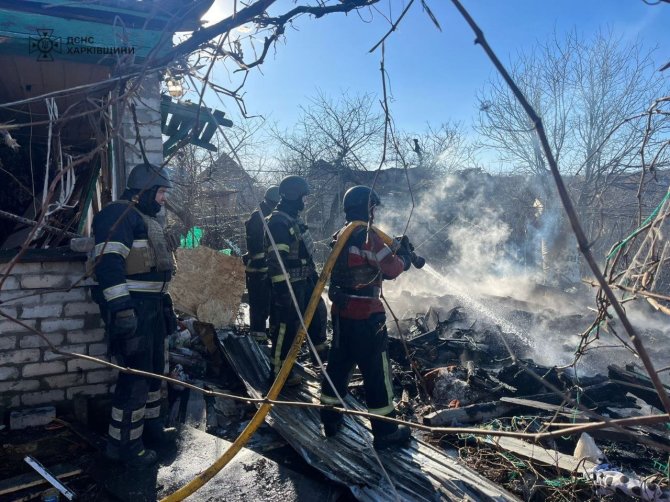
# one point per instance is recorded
(192, 239)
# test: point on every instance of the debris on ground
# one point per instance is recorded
(452, 368)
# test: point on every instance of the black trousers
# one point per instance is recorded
(362, 343)
(259, 288)
(137, 400)
(285, 322)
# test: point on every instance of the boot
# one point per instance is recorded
(260, 336)
(400, 436)
(293, 380)
(331, 429)
(141, 459)
(156, 435)
(322, 349)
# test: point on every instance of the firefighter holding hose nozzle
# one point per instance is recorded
(359, 320)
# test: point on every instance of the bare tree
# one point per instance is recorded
(345, 133)
(585, 91)
(442, 149)
(543, 76)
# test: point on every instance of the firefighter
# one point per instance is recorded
(258, 282)
(296, 247)
(133, 266)
(359, 321)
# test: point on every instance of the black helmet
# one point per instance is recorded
(272, 195)
(360, 197)
(145, 176)
(293, 188)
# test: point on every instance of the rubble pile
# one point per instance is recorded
(456, 367)
(453, 367)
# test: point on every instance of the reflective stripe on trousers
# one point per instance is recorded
(280, 342)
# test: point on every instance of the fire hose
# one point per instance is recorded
(277, 385)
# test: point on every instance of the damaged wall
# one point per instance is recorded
(31, 374)
(147, 101)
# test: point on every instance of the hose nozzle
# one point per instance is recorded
(417, 261)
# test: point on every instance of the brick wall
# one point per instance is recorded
(148, 110)
(30, 373)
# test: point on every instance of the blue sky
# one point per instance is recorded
(434, 75)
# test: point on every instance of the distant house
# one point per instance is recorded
(218, 199)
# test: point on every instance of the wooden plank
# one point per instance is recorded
(637, 384)
(31, 479)
(209, 284)
(486, 411)
(207, 335)
(540, 454)
(474, 413)
(529, 403)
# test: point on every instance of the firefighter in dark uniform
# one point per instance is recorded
(295, 246)
(258, 282)
(133, 266)
(359, 321)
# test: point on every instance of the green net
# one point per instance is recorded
(561, 482)
(640, 228)
(192, 239)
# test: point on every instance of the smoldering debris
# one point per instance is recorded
(497, 363)
(464, 354)
(500, 363)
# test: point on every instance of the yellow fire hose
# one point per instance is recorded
(277, 385)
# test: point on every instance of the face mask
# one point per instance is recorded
(147, 203)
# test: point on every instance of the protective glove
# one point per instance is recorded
(337, 296)
(401, 244)
(405, 247)
(245, 259)
(396, 243)
(124, 323)
(169, 315)
(123, 333)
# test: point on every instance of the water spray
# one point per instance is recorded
(505, 325)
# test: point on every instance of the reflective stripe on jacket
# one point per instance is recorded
(121, 232)
(359, 271)
(288, 236)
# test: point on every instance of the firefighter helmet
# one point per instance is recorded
(360, 196)
(145, 176)
(293, 188)
(272, 195)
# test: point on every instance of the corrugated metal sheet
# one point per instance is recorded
(419, 472)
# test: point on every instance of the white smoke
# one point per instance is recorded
(461, 228)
